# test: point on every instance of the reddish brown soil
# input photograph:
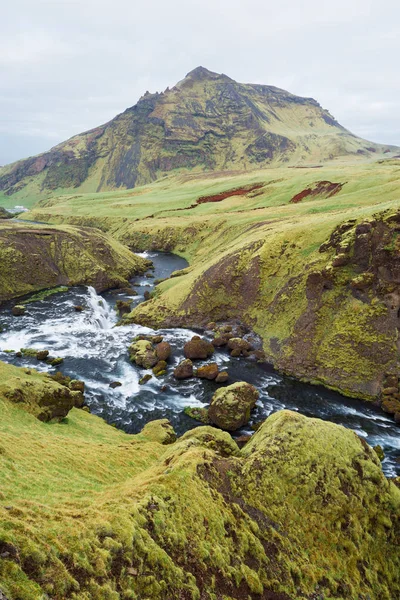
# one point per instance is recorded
(223, 195)
(326, 189)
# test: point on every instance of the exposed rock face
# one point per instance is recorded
(207, 121)
(38, 394)
(231, 406)
(40, 257)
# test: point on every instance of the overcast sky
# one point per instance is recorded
(69, 65)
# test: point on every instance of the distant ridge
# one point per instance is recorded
(206, 122)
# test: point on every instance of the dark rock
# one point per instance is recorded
(54, 362)
(378, 449)
(115, 384)
(340, 260)
(146, 295)
(145, 379)
(238, 346)
(198, 348)
(211, 326)
(220, 341)
(18, 310)
(184, 370)
(42, 354)
(78, 308)
(156, 339)
(163, 350)
(242, 440)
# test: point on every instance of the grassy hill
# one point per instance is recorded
(207, 122)
(88, 512)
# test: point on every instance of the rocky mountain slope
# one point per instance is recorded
(207, 122)
(89, 512)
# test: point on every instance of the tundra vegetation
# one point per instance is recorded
(290, 225)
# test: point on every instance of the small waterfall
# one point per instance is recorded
(102, 315)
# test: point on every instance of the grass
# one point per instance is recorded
(95, 514)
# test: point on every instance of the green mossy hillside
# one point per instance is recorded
(90, 513)
(40, 257)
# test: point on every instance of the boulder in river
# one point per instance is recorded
(143, 354)
(184, 370)
(222, 377)
(163, 350)
(123, 306)
(198, 348)
(18, 310)
(238, 346)
(231, 406)
(199, 414)
(160, 368)
(42, 354)
(209, 371)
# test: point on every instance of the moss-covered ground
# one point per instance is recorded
(88, 512)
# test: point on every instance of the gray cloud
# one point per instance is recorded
(69, 65)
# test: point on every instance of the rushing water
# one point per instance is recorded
(95, 351)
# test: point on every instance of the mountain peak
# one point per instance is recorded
(202, 74)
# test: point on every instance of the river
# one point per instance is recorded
(95, 351)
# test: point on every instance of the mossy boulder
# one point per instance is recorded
(209, 371)
(143, 354)
(18, 310)
(160, 368)
(198, 348)
(231, 406)
(184, 370)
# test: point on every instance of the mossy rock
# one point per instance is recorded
(231, 406)
(160, 431)
(143, 354)
(199, 414)
(209, 371)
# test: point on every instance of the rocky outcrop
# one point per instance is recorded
(41, 395)
(231, 406)
(39, 257)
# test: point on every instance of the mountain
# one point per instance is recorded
(207, 122)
